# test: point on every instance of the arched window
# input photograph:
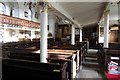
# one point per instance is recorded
(30, 14)
(2, 8)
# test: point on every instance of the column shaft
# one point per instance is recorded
(106, 29)
(44, 35)
(32, 34)
(80, 35)
(17, 35)
(99, 33)
(73, 35)
(5, 36)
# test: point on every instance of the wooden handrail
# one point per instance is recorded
(5, 19)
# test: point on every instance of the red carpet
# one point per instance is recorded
(113, 76)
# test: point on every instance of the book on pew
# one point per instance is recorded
(113, 68)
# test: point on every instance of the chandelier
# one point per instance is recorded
(33, 3)
(30, 4)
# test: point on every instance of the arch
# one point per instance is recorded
(2, 8)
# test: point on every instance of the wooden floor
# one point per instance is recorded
(91, 67)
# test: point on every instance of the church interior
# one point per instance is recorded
(60, 40)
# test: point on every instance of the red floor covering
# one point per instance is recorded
(113, 76)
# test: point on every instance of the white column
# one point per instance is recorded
(4, 36)
(17, 35)
(99, 32)
(73, 35)
(10, 35)
(44, 35)
(52, 20)
(32, 34)
(80, 35)
(106, 29)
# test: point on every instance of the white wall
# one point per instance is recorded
(101, 39)
(36, 9)
(15, 35)
(77, 31)
(7, 37)
(22, 9)
(51, 22)
(15, 10)
(19, 9)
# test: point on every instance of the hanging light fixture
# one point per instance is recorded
(30, 4)
(115, 2)
(33, 3)
(66, 21)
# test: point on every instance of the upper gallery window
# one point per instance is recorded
(2, 8)
(30, 14)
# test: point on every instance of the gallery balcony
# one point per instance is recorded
(5, 19)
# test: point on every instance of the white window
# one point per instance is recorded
(2, 8)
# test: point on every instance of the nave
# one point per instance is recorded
(59, 40)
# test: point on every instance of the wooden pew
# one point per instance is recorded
(69, 68)
(115, 45)
(80, 51)
(102, 51)
(36, 57)
(73, 57)
(106, 54)
(111, 53)
(15, 69)
(21, 44)
(101, 54)
(78, 48)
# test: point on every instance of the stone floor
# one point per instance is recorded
(91, 69)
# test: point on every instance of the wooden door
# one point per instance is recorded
(59, 33)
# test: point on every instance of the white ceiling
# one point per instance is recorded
(87, 14)
(84, 12)
(113, 12)
(113, 15)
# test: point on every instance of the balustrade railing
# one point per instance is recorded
(4, 19)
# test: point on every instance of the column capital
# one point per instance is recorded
(80, 28)
(106, 12)
(99, 23)
(44, 9)
(44, 6)
(73, 25)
